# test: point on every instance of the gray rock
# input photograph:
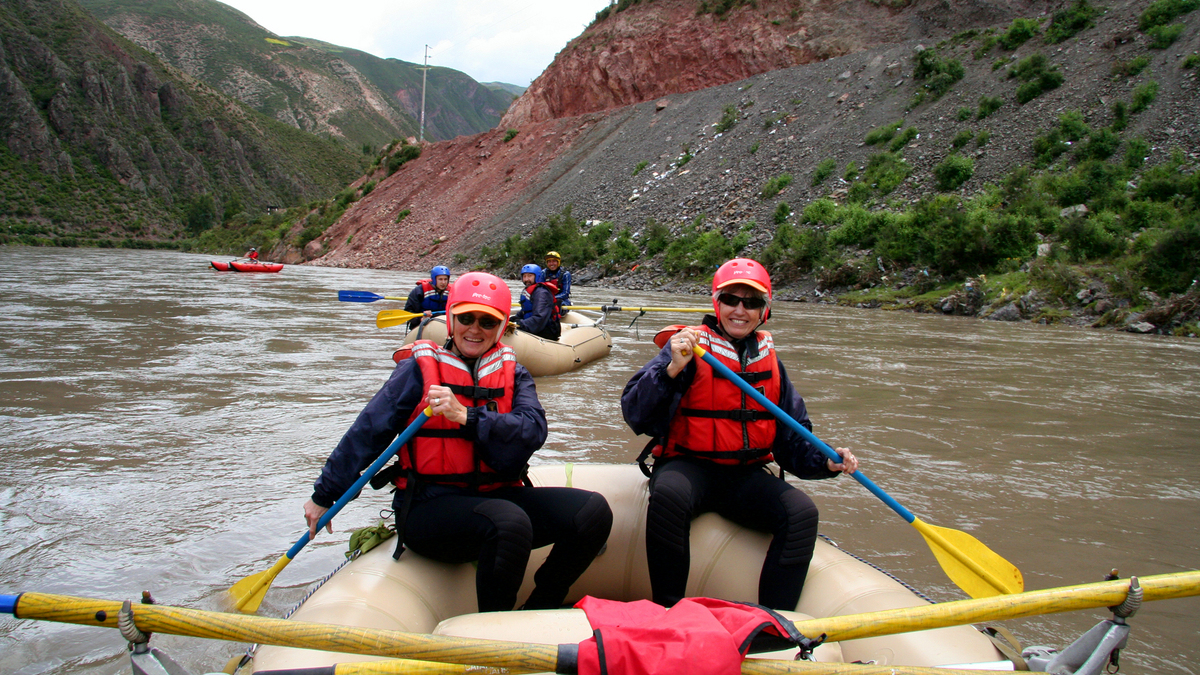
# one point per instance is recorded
(1141, 327)
(1009, 312)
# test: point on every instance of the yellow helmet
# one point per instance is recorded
(554, 254)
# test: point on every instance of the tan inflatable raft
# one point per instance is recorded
(583, 340)
(415, 594)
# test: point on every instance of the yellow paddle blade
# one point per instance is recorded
(977, 569)
(248, 593)
(394, 317)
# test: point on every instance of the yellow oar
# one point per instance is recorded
(522, 657)
(249, 592)
(972, 566)
(394, 317)
(618, 308)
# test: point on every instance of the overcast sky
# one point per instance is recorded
(491, 40)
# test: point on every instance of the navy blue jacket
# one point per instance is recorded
(505, 441)
(563, 278)
(539, 320)
(651, 398)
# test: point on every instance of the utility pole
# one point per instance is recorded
(424, 74)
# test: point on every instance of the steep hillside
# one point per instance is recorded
(344, 94)
(455, 104)
(637, 51)
(741, 160)
(102, 142)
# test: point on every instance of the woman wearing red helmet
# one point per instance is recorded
(712, 444)
(459, 485)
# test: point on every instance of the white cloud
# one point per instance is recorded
(490, 40)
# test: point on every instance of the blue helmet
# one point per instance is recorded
(440, 270)
(537, 272)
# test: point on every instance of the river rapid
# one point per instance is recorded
(162, 424)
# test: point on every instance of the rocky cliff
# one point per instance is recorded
(663, 47)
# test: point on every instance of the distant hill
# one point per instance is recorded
(104, 144)
(455, 104)
(506, 87)
(347, 95)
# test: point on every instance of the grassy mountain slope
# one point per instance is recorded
(104, 144)
(455, 104)
(309, 89)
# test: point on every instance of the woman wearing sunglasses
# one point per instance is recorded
(712, 444)
(459, 489)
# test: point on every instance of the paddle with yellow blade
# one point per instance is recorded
(972, 566)
(249, 592)
(395, 317)
(523, 658)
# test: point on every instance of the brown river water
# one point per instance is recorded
(162, 423)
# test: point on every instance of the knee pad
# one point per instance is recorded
(594, 520)
(511, 529)
(800, 528)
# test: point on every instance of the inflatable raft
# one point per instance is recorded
(583, 340)
(245, 266)
(418, 595)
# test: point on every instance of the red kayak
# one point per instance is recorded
(245, 266)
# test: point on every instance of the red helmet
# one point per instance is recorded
(742, 271)
(478, 292)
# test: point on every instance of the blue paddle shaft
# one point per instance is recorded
(807, 435)
(353, 491)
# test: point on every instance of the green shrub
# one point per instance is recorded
(1086, 240)
(987, 106)
(657, 237)
(1162, 12)
(859, 193)
(728, 119)
(199, 213)
(406, 154)
(885, 171)
(1191, 61)
(1143, 96)
(883, 134)
(1020, 32)
(962, 138)
(640, 165)
(953, 171)
(938, 73)
(1130, 68)
(985, 46)
(1066, 23)
(820, 211)
(1136, 153)
(1100, 144)
(1037, 76)
(754, 147)
(825, 169)
(402, 215)
(903, 139)
(791, 251)
(964, 114)
(982, 138)
(782, 211)
(851, 173)
(775, 185)
(1120, 115)
(510, 134)
(1162, 37)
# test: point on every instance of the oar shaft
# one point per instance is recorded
(801, 431)
(1001, 608)
(285, 633)
(618, 308)
(522, 657)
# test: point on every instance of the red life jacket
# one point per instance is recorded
(440, 452)
(696, 635)
(527, 299)
(433, 300)
(715, 421)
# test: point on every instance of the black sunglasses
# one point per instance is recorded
(732, 300)
(485, 322)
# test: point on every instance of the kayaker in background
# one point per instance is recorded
(539, 315)
(460, 495)
(712, 444)
(560, 277)
(429, 295)
(252, 254)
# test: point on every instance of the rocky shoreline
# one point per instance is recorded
(1093, 306)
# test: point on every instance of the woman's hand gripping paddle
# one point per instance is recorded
(249, 592)
(972, 566)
